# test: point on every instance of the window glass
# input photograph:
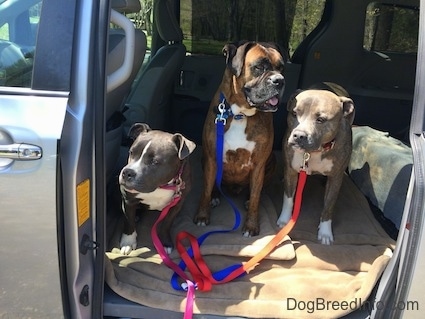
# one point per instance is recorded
(142, 20)
(18, 31)
(208, 24)
(307, 15)
(391, 28)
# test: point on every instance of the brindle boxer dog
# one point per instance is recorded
(251, 89)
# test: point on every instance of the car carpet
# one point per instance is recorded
(300, 279)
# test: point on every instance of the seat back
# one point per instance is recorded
(150, 98)
(115, 99)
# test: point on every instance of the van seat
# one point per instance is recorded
(151, 96)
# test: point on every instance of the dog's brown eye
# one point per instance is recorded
(320, 120)
(153, 161)
(258, 70)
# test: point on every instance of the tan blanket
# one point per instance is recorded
(302, 279)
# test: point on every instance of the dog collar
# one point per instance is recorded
(177, 183)
(325, 147)
(225, 111)
(328, 146)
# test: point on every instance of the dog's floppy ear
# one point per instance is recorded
(136, 129)
(235, 56)
(348, 109)
(292, 101)
(229, 51)
(185, 147)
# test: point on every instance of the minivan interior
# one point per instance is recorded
(367, 47)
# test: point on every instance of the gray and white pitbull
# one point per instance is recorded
(319, 129)
(157, 170)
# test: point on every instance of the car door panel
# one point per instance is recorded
(44, 272)
(28, 207)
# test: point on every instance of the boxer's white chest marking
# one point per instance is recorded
(315, 164)
(235, 137)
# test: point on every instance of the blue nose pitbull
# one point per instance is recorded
(157, 169)
(319, 127)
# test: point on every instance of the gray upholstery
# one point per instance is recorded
(166, 23)
(115, 99)
(150, 97)
(126, 6)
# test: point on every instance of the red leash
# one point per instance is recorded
(201, 275)
(198, 267)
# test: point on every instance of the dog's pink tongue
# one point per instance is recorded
(273, 101)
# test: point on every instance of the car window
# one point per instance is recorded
(142, 20)
(391, 28)
(18, 31)
(208, 24)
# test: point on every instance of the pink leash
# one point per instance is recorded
(190, 290)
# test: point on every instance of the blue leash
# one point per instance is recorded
(220, 125)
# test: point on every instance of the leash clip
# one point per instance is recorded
(179, 186)
(221, 116)
(306, 157)
(185, 286)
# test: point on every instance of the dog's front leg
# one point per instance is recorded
(290, 184)
(164, 229)
(128, 240)
(333, 185)
(202, 218)
(251, 225)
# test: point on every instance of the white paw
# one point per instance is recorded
(246, 234)
(324, 234)
(128, 243)
(286, 214)
(201, 224)
(168, 250)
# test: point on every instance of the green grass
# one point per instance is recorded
(4, 32)
(203, 46)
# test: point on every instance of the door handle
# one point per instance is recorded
(21, 151)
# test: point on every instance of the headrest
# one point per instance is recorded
(126, 6)
(166, 22)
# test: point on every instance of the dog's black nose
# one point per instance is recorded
(277, 80)
(128, 174)
(299, 137)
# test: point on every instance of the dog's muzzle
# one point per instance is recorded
(300, 140)
(266, 96)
